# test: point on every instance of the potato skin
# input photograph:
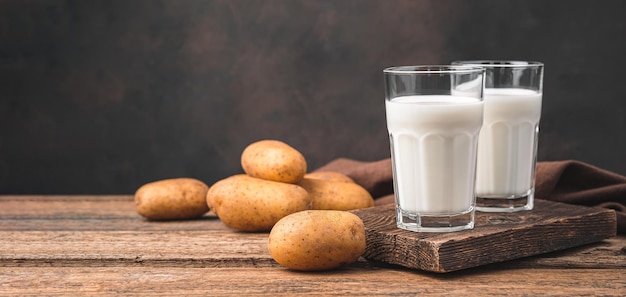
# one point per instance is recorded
(273, 160)
(172, 199)
(315, 240)
(335, 195)
(329, 175)
(252, 204)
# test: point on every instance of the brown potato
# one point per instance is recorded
(334, 195)
(273, 160)
(252, 204)
(172, 199)
(329, 175)
(317, 240)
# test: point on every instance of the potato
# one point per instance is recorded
(317, 240)
(273, 160)
(335, 195)
(329, 175)
(252, 204)
(172, 199)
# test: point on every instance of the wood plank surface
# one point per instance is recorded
(99, 246)
(496, 237)
(351, 281)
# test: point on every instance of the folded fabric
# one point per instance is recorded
(568, 181)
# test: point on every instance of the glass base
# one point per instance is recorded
(434, 223)
(511, 203)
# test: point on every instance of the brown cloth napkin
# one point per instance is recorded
(568, 181)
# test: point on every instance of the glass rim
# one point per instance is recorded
(433, 69)
(500, 63)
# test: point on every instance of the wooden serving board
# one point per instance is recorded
(496, 237)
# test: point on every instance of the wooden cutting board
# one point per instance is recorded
(496, 237)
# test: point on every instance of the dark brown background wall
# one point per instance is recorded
(103, 96)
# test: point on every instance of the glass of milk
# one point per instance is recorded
(507, 148)
(434, 114)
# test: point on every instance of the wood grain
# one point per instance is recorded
(98, 246)
(352, 281)
(497, 237)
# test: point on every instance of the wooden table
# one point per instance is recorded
(99, 245)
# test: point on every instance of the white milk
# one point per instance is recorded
(434, 141)
(507, 145)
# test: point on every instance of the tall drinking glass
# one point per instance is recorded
(434, 115)
(507, 149)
